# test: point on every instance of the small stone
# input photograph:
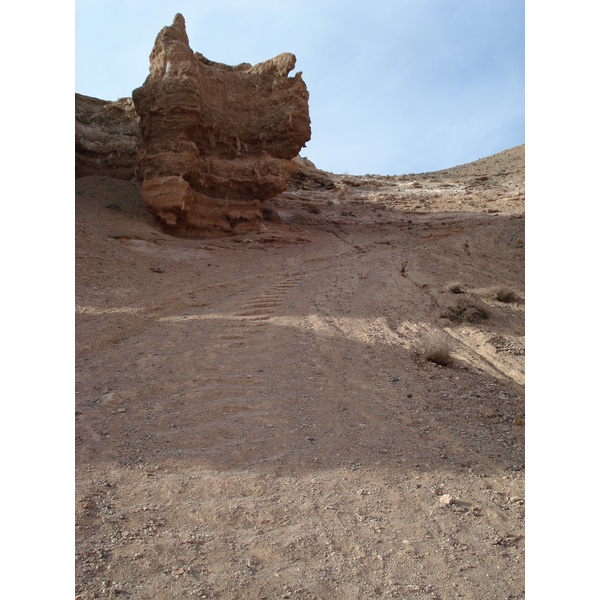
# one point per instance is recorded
(446, 500)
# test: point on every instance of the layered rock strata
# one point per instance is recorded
(215, 139)
(106, 137)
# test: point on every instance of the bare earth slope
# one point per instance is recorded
(255, 417)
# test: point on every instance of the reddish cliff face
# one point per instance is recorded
(215, 140)
(106, 137)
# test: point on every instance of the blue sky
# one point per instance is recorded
(395, 86)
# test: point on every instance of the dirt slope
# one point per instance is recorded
(255, 416)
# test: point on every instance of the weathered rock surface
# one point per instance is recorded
(308, 177)
(106, 137)
(215, 139)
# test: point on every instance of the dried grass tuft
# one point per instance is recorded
(436, 348)
(466, 311)
(456, 288)
(506, 295)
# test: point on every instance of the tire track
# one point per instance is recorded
(227, 405)
(201, 375)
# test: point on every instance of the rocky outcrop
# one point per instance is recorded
(106, 137)
(308, 177)
(215, 139)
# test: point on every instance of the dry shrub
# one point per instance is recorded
(436, 348)
(456, 288)
(506, 295)
(466, 311)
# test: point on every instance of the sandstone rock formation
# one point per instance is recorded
(308, 177)
(215, 139)
(106, 137)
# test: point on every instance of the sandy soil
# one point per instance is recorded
(256, 418)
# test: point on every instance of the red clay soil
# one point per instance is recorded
(256, 416)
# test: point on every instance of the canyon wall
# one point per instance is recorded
(106, 137)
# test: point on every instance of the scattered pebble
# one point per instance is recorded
(452, 419)
(446, 500)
